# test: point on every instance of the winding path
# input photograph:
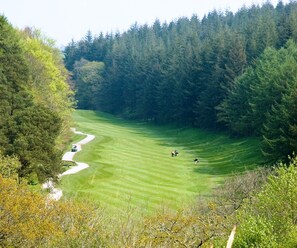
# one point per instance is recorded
(55, 193)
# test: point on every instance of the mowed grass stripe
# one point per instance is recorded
(135, 196)
(156, 174)
(139, 193)
(142, 179)
(130, 162)
(116, 195)
(131, 184)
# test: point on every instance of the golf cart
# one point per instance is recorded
(74, 148)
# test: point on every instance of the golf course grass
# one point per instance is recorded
(131, 164)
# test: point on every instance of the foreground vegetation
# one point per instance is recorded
(131, 165)
(264, 210)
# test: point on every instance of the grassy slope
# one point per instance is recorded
(131, 165)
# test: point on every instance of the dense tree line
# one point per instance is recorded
(235, 71)
(35, 103)
(207, 73)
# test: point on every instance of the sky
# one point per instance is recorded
(64, 20)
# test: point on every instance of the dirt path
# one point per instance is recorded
(55, 193)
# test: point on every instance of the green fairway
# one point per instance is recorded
(131, 163)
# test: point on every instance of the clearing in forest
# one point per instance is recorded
(131, 164)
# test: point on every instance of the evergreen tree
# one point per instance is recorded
(71, 55)
(278, 128)
(34, 133)
(210, 77)
(234, 111)
(282, 24)
(221, 71)
(14, 78)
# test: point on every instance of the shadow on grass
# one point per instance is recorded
(218, 153)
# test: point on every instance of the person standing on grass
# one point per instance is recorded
(174, 153)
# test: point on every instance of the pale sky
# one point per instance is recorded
(64, 20)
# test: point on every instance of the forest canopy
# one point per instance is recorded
(227, 71)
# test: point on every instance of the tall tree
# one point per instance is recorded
(210, 73)
(278, 128)
(48, 76)
(88, 80)
(29, 126)
(234, 111)
(210, 76)
(35, 131)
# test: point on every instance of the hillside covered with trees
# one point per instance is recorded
(234, 72)
(227, 71)
(35, 105)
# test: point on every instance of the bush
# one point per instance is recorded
(28, 219)
(271, 215)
